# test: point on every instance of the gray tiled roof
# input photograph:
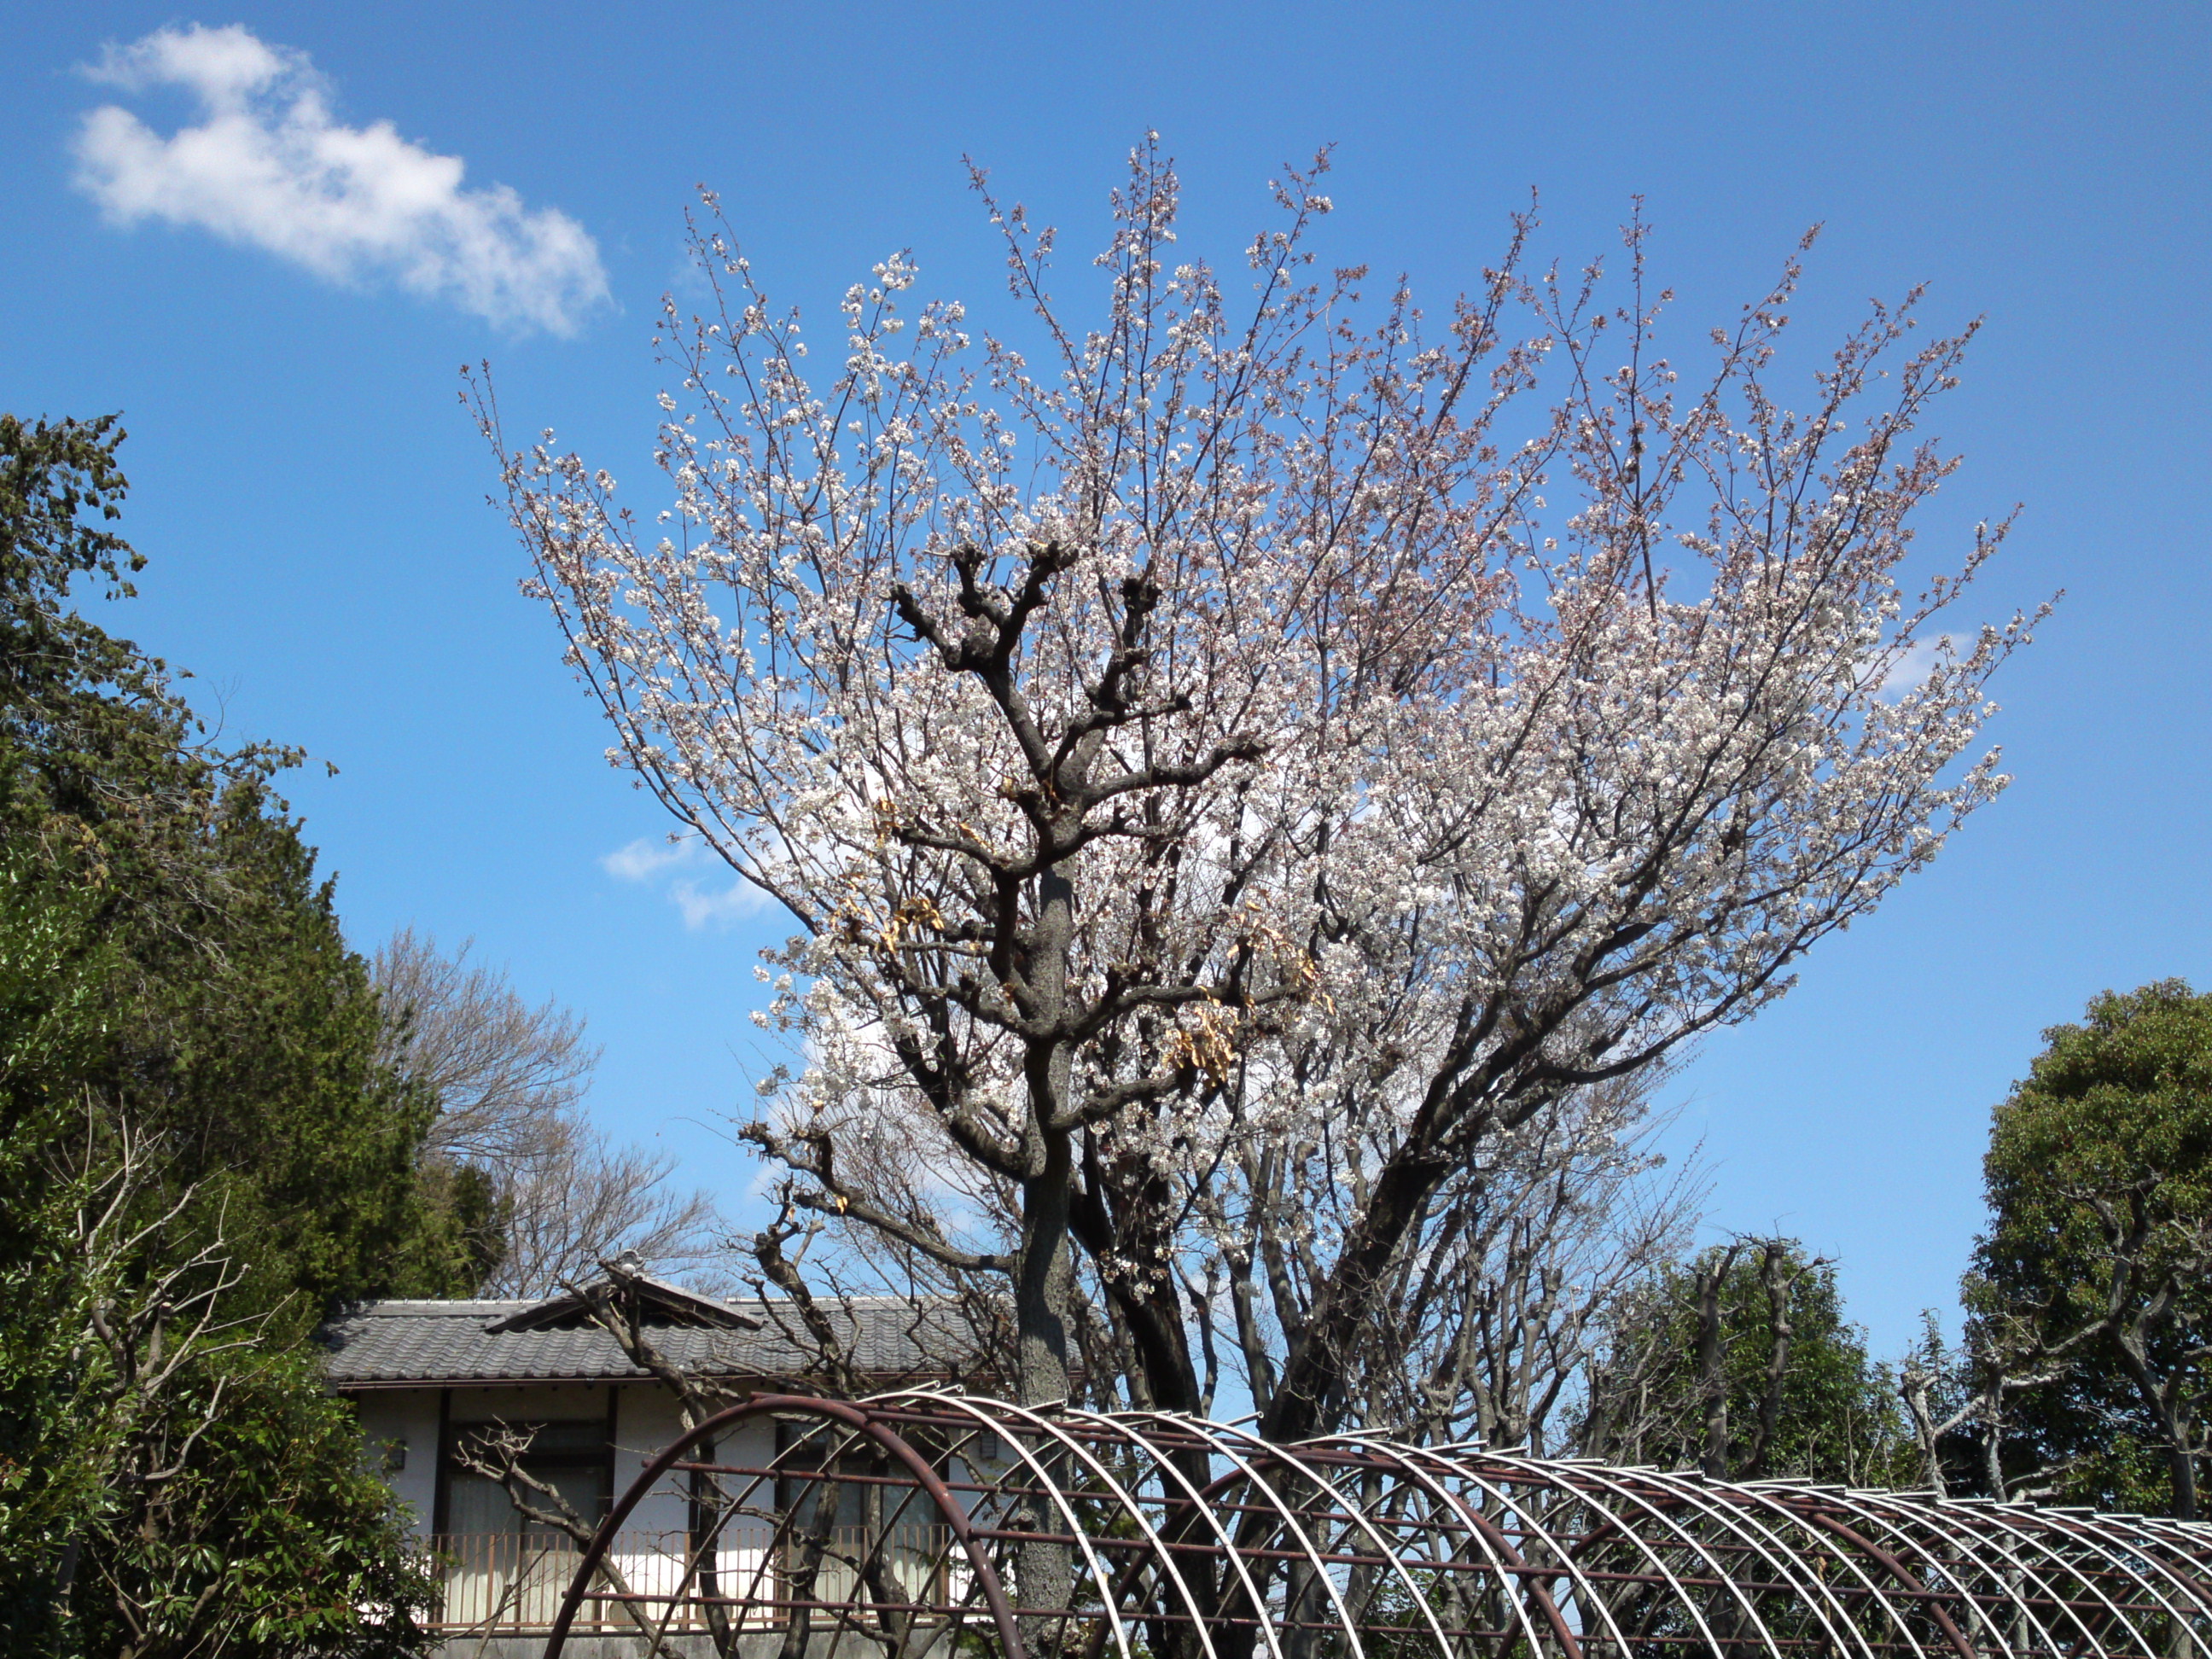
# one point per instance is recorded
(429, 1344)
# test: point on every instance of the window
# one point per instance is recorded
(574, 1459)
(886, 1538)
(502, 1566)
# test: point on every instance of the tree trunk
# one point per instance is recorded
(1712, 1361)
(1311, 1391)
(1780, 1332)
(1042, 1287)
(2133, 1343)
(2183, 1468)
(1044, 1279)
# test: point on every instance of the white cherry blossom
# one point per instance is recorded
(1226, 763)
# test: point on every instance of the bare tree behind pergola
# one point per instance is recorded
(897, 1527)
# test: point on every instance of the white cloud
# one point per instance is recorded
(704, 910)
(1910, 671)
(648, 856)
(268, 166)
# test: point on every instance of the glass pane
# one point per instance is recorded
(587, 1439)
(475, 1504)
(580, 1487)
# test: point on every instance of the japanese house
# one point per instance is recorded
(431, 1381)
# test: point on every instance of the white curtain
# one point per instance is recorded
(508, 1569)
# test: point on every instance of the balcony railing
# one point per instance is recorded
(493, 1582)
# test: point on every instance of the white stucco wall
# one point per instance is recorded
(647, 1424)
(751, 1446)
(400, 1427)
(644, 1425)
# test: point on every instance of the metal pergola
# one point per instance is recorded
(927, 1524)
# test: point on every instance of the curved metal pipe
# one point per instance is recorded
(853, 1417)
(1557, 1555)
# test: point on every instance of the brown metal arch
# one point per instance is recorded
(852, 1417)
(1798, 1572)
(1532, 1584)
(1816, 1514)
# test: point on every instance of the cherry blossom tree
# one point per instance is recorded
(1229, 765)
(1503, 1298)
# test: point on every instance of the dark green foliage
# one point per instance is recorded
(199, 1148)
(256, 1054)
(52, 1007)
(245, 1031)
(2094, 1266)
(167, 1485)
(272, 1540)
(101, 768)
(1740, 1362)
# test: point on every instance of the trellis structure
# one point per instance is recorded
(927, 1525)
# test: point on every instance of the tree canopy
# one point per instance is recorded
(1230, 759)
(200, 1150)
(246, 1031)
(2091, 1288)
(1738, 1361)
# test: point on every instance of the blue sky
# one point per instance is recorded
(311, 496)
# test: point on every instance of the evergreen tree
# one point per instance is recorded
(1740, 1362)
(250, 1046)
(2089, 1290)
(200, 1150)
